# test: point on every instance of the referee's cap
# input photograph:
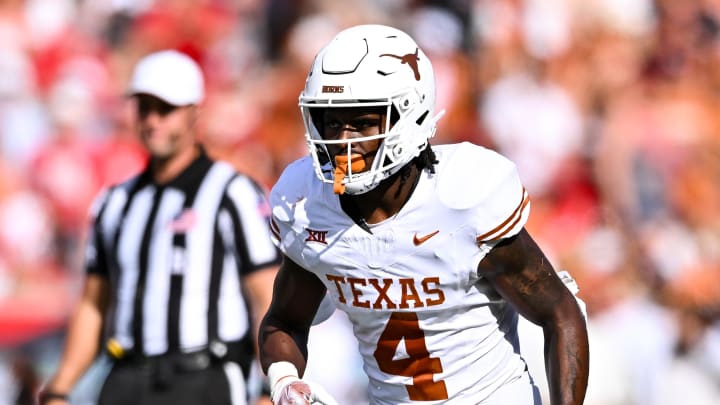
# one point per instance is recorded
(169, 75)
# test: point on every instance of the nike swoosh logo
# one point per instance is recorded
(419, 241)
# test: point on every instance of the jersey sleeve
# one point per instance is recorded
(488, 186)
(250, 216)
(508, 208)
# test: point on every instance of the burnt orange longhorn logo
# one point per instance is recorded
(411, 59)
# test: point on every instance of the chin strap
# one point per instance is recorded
(357, 164)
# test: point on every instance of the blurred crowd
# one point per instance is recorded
(610, 108)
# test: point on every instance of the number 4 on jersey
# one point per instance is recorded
(418, 365)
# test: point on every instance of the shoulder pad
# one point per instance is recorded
(287, 199)
(293, 185)
(469, 173)
(475, 178)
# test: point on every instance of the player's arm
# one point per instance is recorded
(521, 273)
(297, 294)
(83, 339)
(283, 337)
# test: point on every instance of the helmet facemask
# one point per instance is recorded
(399, 144)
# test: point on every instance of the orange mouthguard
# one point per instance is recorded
(357, 164)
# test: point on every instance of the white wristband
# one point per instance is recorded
(281, 370)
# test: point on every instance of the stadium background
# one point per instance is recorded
(609, 107)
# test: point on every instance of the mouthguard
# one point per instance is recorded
(357, 164)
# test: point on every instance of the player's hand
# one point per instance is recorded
(288, 389)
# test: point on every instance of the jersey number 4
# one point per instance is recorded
(418, 365)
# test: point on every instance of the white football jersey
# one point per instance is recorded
(429, 329)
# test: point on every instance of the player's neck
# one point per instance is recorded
(388, 198)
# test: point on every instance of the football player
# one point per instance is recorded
(423, 247)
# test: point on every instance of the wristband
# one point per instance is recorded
(46, 396)
(280, 370)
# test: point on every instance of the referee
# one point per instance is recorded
(179, 263)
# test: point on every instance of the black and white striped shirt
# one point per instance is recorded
(175, 255)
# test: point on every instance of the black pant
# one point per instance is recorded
(133, 383)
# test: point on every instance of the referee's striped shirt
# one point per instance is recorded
(174, 255)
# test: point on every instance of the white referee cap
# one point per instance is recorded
(169, 75)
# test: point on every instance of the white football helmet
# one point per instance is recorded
(364, 66)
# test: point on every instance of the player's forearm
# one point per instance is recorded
(81, 346)
(281, 344)
(566, 361)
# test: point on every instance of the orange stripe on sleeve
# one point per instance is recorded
(509, 223)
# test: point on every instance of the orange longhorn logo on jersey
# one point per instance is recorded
(375, 292)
